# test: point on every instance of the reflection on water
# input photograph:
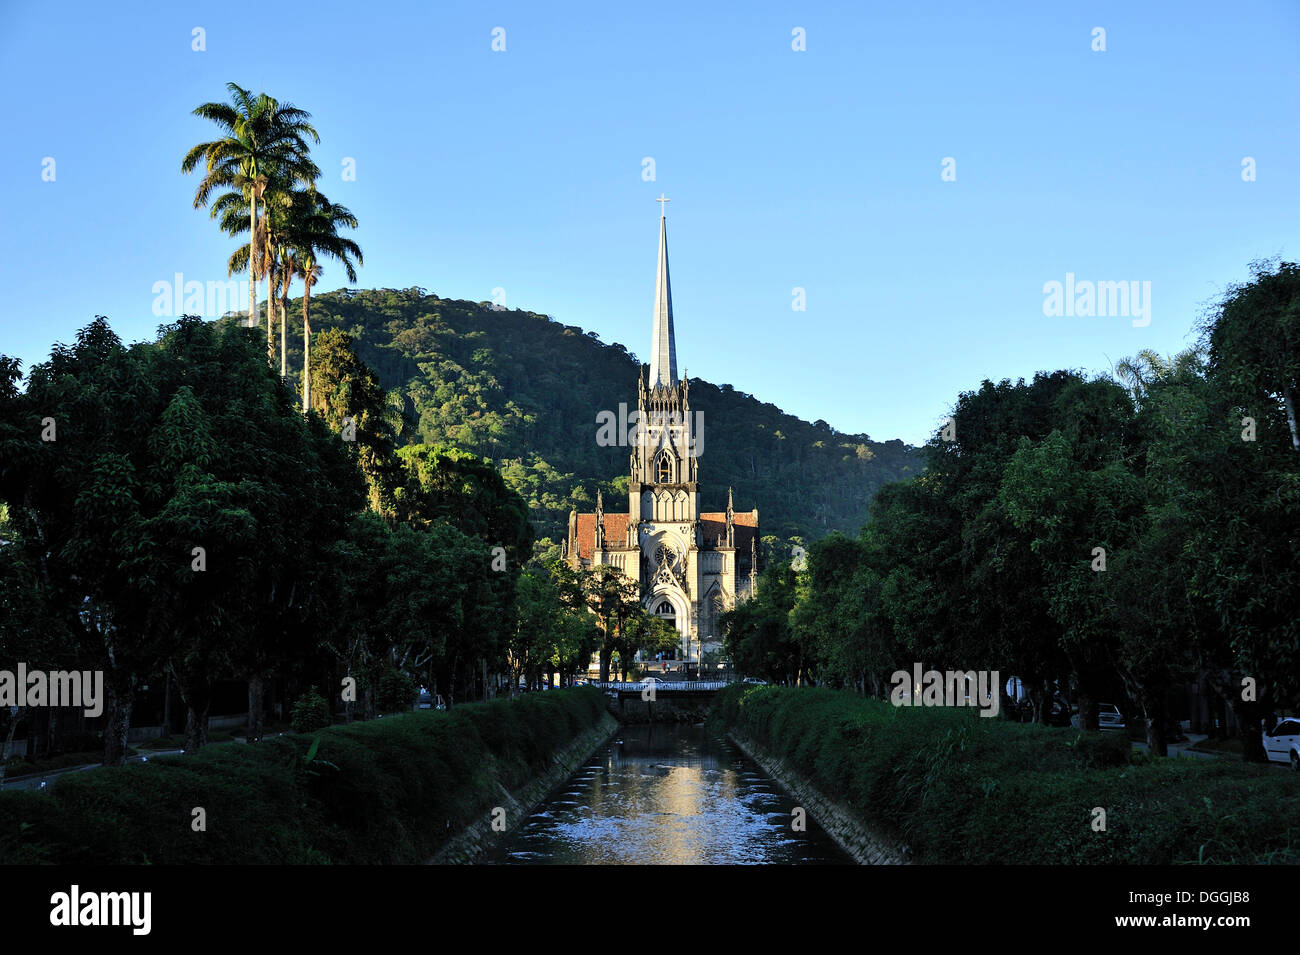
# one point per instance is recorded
(668, 794)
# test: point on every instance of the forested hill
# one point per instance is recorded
(524, 391)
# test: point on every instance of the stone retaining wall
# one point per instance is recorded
(470, 844)
(849, 832)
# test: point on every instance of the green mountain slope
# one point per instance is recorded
(524, 391)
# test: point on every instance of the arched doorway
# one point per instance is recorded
(664, 611)
(668, 607)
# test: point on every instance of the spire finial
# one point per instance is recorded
(662, 208)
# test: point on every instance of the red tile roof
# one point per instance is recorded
(615, 532)
(713, 525)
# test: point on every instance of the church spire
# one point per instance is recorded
(663, 349)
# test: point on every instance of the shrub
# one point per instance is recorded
(395, 691)
(310, 712)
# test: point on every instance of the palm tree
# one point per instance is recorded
(264, 141)
(269, 240)
(313, 235)
(1147, 367)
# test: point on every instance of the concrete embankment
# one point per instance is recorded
(866, 847)
(474, 841)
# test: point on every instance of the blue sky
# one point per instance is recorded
(817, 169)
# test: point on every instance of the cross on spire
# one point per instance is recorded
(661, 200)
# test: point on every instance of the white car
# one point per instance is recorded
(1109, 717)
(653, 681)
(1283, 744)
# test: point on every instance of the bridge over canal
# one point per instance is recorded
(679, 701)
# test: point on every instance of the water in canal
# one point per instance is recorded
(668, 794)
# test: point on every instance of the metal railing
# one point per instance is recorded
(665, 686)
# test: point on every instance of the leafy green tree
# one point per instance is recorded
(1253, 342)
(758, 637)
(395, 691)
(613, 599)
(1244, 498)
(78, 503)
(310, 712)
(347, 395)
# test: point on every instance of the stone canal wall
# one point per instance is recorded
(471, 843)
(866, 847)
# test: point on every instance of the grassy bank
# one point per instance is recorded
(385, 791)
(958, 788)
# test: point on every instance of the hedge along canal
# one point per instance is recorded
(944, 785)
(393, 790)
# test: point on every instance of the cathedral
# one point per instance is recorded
(691, 564)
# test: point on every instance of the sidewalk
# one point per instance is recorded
(38, 780)
(1181, 748)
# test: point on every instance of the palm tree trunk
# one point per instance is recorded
(252, 271)
(284, 323)
(270, 311)
(284, 335)
(306, 350)
(270, 325)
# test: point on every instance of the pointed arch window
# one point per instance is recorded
(664, 469)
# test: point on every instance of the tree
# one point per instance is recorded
(262, 140)
(1244, 498)
(313, 235)
(758, 637)
(613, 598)
(348, 396)
(1253, 341)
(78, 503)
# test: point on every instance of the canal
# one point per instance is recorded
(667, 794)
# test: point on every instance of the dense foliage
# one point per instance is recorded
(957, 788)
(1113, 540)
(171, 514)
(383, 791)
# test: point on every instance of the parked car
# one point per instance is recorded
(1109, 717)
(1282, 743)
(653, 681)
